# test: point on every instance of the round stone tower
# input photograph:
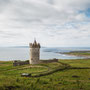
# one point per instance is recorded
(34, 53)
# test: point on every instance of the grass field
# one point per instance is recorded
(66, 79)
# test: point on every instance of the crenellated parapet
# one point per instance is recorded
(34, 45)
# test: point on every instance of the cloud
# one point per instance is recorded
(52, 22)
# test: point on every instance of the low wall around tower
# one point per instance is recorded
(49, 61)
(19, 63)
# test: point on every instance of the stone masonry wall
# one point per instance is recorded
(19, 63)
(34, 55)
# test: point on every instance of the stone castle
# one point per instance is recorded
(34, 56)
(34, 53)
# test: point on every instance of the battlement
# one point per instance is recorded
(34, 45)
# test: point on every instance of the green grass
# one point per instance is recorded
(10, 77)
(78, 62)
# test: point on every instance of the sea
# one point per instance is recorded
(23, 53)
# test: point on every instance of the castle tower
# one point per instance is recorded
(34, 52)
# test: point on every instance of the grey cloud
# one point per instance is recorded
(27, 20)
(45, 19)
(51, 2)
(4, 4)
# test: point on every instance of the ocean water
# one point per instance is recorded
(7, 54)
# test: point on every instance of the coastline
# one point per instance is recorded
(85, 54)
(86, 57)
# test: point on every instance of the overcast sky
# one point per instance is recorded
(54, 23)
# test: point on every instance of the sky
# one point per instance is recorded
(54, 23)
